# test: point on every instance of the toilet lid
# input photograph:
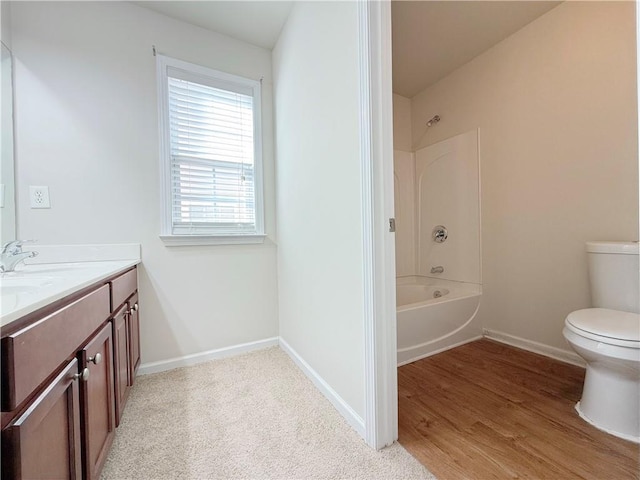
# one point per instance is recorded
(607, 323)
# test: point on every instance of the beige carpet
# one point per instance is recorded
(254, 416)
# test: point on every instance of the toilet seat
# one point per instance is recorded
(612, 327)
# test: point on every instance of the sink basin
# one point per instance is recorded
(35, 285)
(14, 285)
(34, 279)
(18, 289)
(54, 269)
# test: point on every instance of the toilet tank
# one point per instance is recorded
(614, 275)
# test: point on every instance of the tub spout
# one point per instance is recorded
(438, 269)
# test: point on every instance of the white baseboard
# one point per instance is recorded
(336, 400)
(187, 360)
(566, 356)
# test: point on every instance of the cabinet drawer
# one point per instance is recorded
(123, 287)
(30, 355)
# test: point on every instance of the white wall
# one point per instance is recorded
(87, 127)
(7, 166)
(5, 23)
(404, 183)
(320, 271)
(556, 106)
(402, 123)
(404, 167)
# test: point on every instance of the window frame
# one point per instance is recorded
(218, 79)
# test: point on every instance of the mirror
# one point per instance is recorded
(7, 183)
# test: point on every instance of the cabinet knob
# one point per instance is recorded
(96, 359)
(83, 376)
(135, 307)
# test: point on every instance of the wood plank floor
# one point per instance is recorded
(489, 411)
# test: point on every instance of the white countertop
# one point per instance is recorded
(32, 287)
(58, 271)
(42, 280)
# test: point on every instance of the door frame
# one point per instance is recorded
(376, 161)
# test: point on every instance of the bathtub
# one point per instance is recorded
(434, 315)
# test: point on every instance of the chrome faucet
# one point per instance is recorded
(12, 255)
(437, 269)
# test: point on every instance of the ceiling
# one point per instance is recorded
(433, 38)
(255, 22)
(430, 38)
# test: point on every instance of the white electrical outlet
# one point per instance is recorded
(39, 197)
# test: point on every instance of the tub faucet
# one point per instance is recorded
(438, 269)
(12, 255)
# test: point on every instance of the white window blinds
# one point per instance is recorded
(212, 150)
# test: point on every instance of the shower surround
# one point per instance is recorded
(438, 186)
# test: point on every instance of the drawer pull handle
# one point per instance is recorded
(83, 376)
(134, 308)
(96, 359)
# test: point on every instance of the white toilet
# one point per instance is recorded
(607, 337)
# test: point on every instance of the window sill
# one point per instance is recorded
(189, 240)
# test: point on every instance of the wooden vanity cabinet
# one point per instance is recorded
(44, 442)
(98, 401)
(66, 371)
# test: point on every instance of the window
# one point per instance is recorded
(211, 165)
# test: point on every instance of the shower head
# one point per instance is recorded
(433, 120)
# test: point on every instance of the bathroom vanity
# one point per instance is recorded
(70, 346)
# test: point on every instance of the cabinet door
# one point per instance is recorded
(44, 442)
(98, 402)
(121, 359)
(134, 336)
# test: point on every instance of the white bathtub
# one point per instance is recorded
(434, 315)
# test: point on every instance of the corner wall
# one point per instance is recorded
(87, 127)
(402, 123)
(557, 110)
(319, 202)
(404, 168)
